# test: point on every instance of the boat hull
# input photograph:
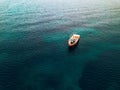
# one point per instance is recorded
(76, 39)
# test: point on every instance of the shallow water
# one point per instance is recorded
(33, 45)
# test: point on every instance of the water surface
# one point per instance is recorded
(33, 45)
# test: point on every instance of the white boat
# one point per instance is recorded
(73, 40)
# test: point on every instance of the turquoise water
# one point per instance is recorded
(33, 45)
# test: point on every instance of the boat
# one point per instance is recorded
(73, 40)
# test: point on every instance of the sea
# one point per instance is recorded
(34, 53)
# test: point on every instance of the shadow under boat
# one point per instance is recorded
(72, 48)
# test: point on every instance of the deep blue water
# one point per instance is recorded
(33, 45)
